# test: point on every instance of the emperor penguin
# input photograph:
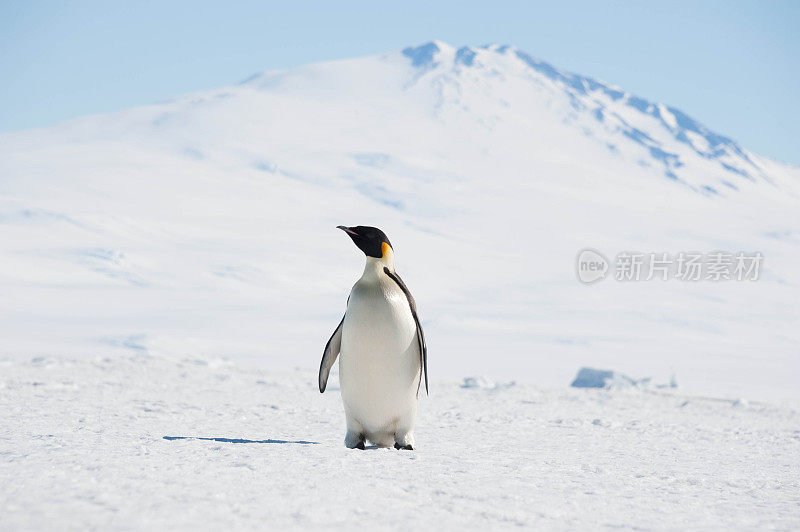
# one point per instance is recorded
(381, 350)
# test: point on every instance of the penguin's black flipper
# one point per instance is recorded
(423, 348)
(332, 349)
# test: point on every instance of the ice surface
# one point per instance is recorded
(597, 378)
(145, 442)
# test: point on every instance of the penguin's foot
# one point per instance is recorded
(404, 440)
(354, 440)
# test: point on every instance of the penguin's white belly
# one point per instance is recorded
(379, 365)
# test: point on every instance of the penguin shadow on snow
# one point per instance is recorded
(240, 440)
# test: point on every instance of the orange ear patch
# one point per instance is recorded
(384, 249)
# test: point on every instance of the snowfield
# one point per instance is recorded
(118, 443)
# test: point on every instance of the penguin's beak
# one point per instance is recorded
(347, 230)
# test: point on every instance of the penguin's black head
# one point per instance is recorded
(370, 240)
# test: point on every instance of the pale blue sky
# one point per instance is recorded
(733, 65)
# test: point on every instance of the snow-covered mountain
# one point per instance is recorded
(666, 137)
(204, 225)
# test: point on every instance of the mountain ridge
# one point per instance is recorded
(675, 120)
(667, 136)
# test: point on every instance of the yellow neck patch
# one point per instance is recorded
(385, 249)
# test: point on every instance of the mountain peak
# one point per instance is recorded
(427, 54)
(668, 135)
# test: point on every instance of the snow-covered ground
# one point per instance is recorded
(117, 443)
